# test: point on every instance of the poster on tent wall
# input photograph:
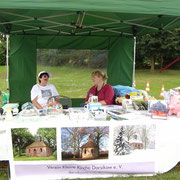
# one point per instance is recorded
(93, 149)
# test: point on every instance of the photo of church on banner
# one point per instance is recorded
(84, 143)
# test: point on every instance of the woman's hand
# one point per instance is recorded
(102, 102)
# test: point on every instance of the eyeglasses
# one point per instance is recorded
(45, 76)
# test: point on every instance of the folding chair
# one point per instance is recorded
(65, 101)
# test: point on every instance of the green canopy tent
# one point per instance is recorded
(103, 24)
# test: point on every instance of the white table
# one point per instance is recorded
(165, 156)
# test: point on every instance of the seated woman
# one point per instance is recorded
(104, 91)
(40, 93)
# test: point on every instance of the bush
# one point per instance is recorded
(2, 52)
(86, 58)
(55, 153)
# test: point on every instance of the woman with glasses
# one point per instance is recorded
(40, 93)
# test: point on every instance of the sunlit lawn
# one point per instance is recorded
(3, 174)
(75, 81)
(174, 174)
(70, 81)
(168, 78)
(25, 158)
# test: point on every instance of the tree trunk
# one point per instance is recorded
(152, 64)
(74, 142)
(161, 61)
(74, 146)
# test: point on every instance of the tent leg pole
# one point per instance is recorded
(134, 63)
(7, 65)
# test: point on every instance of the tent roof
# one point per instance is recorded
(84, 17)
(168, 7)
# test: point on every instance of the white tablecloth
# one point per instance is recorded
(167, 141)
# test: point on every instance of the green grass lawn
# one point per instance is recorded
(168, 78)
(174, 174)
(3, 174)
(75, 81)
(25, 158)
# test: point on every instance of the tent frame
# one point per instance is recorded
(81, 15)
(7, 65)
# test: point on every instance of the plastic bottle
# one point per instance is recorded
(9, 116)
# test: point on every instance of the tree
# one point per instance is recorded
(57, 57)
(144, 135)
(121, 146)
(48, 135)
(71, 139)
(2, 51)
(130, 131)
(21, 138)
(99, 134)
(158, 48)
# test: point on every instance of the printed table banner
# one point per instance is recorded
(83, 170)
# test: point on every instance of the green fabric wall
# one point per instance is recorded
(120, 61)
(22, 67)
(23, 59)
